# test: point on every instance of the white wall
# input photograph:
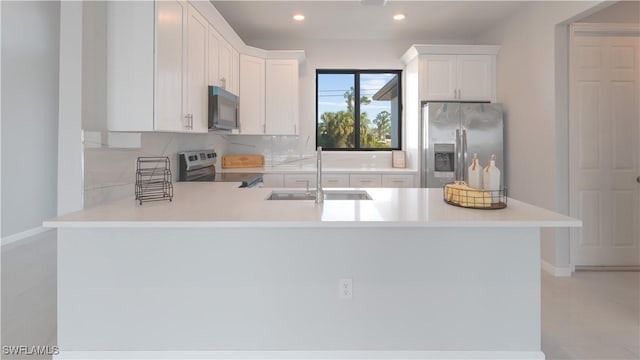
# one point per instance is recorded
(30, 48)
(528, 67)
(621, 12)
(29, 72)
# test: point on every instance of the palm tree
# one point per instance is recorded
(383, 124)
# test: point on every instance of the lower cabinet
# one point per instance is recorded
(300, 180)
(339, 180)
(365, 180)
(398, 181)
(335, 180)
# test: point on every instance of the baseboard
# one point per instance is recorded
(556, 271)
(632, 268)
(22, 236)
(304, 355)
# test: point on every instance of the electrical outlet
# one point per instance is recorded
(345, 289)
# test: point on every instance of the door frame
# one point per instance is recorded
(585, 29)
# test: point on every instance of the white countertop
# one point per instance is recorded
(310, 168)
(209, 204)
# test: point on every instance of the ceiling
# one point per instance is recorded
(254, 21)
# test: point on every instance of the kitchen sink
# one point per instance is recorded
(328, 195)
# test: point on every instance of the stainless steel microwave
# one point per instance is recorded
(223, 109)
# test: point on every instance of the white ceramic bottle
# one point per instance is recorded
(491, 179)
(475, 173)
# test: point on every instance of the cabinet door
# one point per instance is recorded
(225, 68)
(213, 59)
(439, 77)
(170, 35)
(398, 181)
(252, 80)
(235, 71)
(197, 81)
(335, 180)
(475, 77)
(365, 180)
(300, 180)
(281, 112)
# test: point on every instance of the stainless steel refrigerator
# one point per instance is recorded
(451, 133)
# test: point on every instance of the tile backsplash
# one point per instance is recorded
(110, 159)
(280, 150)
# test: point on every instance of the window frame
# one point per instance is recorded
(356, 108)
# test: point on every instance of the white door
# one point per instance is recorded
(281, 107)
(252, 79)
(197, 81)
(475, 77)
(439, 77)
(170, 66)
(604, 152)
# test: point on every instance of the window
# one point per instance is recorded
(358, 109)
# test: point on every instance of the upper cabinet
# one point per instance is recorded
(455, 72)
(170, 96)
(252, 95)
(281, 112)
(163, 55)
(196, 71)
(223, 63)
(458, 77)
(269, 101)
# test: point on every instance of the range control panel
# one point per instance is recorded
(198, 159)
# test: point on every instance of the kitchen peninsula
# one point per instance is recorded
(223, 273)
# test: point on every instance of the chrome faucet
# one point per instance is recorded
(319, 191)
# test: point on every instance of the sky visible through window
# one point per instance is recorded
(331, 89)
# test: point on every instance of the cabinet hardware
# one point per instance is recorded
(223, 82)
(638, 179)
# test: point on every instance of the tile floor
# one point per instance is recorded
(591, 315)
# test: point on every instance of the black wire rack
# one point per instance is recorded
(153, 179)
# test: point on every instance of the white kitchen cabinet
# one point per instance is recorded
(225, 67)
(398, 180)
(300, 180)
(252, 95)
(335, 180)
(223, 63)
(170, 96)
(365, 180)
(273, 180)
(170, 35)
(196, 71)
(458, 77)
(214, 45)
(235, 72)
(281, 112)
(268, 96)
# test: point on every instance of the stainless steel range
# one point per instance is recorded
(201, 166)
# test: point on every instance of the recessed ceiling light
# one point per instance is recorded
(298, 17)
(398, 17)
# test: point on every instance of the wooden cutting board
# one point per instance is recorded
(242, 161)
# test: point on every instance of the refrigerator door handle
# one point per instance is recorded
(464, 154)
(458, 155)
